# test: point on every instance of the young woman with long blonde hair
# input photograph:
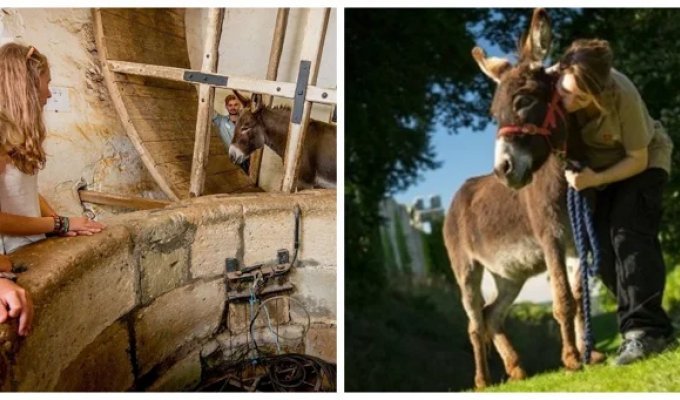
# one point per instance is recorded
(25, 216)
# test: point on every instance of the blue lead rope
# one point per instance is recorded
(585, 238)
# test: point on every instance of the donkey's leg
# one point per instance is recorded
(494, 316)
(577, 290)
(470, 282)
(564, 307)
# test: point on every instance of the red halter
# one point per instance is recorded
(545, 130)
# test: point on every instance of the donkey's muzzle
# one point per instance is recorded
(237, 155)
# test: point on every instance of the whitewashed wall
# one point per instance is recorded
(86, 140)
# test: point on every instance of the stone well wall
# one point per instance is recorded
(143, 305)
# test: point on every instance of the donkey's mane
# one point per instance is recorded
(281, 107)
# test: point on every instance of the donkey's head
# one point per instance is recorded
(525, 106)
(249, 134)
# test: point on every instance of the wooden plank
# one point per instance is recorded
(137, 203)
(146, 51)
(155, 82)
(179, 150)
(140, 21)
(274, 88)
(277, 45)
(141, 90)
(312, 46)
(281, 89)
(160, 130)
(216, 165)
(228, 182)
(166, 22)
(148, 107)
(222, 182)
(206, 102)
(317, 94)
(122, 112)
(177, 174)
(272, 74)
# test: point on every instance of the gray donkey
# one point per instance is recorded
(258, 125)
(515, 224)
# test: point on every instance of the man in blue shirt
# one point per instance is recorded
(226, 124)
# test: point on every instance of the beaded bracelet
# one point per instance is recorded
(61, 225)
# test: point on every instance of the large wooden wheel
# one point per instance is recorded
(159, 115)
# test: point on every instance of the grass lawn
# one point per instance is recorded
(655, 374)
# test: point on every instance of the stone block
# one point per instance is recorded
(218, 236)
(184, 375)
(184, 315)
(290, 339)
(321, 342)
(239, 315)
(161, 272)
(74, 306)
(268, 227)
(162, 229)
(102, 366)
(315, 288)
(318, 233)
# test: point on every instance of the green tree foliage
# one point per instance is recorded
(405, 69)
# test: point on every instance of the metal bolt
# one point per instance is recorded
(278, 88)
(324, 95)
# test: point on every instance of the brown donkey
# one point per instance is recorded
(259, 125)
(515, 224)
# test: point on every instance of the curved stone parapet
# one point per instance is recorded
(143, 306)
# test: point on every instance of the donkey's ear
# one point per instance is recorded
(537, 41)
(244, 101)
(493, 67)
(256, 103)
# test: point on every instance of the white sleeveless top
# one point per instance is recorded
(19, 196)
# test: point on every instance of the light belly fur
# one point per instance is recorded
(518, 260)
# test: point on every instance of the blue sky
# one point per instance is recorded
(463, 155)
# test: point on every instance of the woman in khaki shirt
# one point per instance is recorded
(629, 158)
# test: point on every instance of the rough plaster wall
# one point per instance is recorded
(87, 141)
(244, 51)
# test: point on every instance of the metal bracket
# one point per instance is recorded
(301, 91)
(201, 77)
(239, 281)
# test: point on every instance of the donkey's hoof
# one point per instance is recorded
(596, 357)
(480, 384)
(517, 374)
(572, 363)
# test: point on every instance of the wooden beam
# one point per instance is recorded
(119, 105)
(137, 203)
(272, 73)
(274, 88)
(206, 100)
(277, 45)
(312, 48)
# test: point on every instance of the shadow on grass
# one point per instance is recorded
(414, 338)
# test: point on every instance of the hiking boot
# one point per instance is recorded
(636, 346)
